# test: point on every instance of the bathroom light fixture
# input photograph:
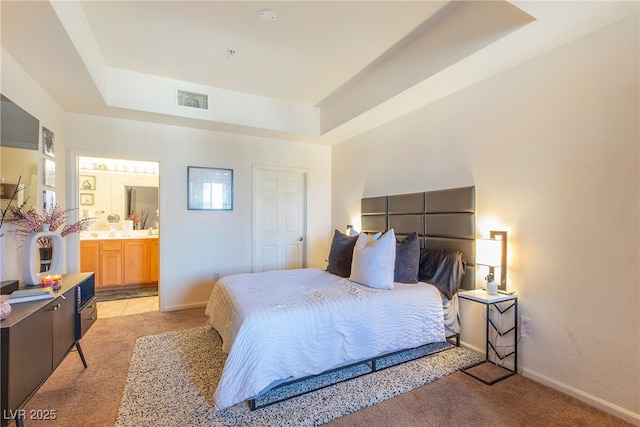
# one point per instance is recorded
(88, 164)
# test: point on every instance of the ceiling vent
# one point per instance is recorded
(193, 99)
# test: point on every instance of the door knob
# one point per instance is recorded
(300, 239)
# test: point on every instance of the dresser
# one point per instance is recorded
(37, 336)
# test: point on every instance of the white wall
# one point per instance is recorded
(552, 148)
(196, 244)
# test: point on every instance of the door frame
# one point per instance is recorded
(255, 168)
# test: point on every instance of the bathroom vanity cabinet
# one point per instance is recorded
(120, 262)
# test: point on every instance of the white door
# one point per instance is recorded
(279, 219)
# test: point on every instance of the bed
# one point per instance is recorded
(278, 326)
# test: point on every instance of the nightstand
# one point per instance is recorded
(502, 303)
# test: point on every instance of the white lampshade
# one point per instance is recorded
(488, 252)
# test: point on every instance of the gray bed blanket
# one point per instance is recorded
(443, 269)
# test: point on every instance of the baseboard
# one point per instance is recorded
(594, 401)
(587, 398)
(183, 306)
(470, 347)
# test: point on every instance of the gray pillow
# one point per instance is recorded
(341, 254)
(407, 259)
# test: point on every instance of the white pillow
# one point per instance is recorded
(374, 260)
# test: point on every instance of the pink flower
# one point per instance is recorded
(27, 222)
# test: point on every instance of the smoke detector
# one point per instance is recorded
(267, 15)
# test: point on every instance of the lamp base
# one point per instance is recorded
(492, 288)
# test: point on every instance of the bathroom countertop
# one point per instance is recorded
(104, 235)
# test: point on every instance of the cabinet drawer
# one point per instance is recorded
(112, 246)
(87, 317)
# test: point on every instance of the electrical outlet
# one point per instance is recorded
(216, 275)
(525, 326)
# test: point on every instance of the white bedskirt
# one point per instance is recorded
(286, 324)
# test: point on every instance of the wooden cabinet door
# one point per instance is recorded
(90, 258)
(154, 260)
(64, 325)
(111, 263)
(26, 349)
(136, 261)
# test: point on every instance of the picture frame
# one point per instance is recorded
(48, 200)
(7, 190)
(48, 142)
(87, 182)
(209, 188)
(49, 173)
(87, 199)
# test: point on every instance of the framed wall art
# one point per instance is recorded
(87, 182)
(209, 188)
(49, 173)
(86, 199)
(47, 142)
(48, 200)
(8, 190)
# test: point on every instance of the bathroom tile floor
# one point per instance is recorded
(125, 307)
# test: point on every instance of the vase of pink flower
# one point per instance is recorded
(53, 221)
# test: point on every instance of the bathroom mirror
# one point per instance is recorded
(123, 187)
(141, 205)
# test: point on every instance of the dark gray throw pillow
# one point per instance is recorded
(407, 259)
(341, 254)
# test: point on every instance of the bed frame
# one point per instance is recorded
(443, 219)
(373, 364)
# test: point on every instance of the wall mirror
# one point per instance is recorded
(122, 188)
(141, 203)
(19, 154)
(209, 188)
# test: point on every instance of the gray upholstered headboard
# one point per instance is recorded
(443, 219)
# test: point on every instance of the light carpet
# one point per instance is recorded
(173, 377)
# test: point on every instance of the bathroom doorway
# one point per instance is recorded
(122, 244)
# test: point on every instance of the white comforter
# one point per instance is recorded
(286, 324)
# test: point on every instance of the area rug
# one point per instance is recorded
(173, 376)
(118, 294)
